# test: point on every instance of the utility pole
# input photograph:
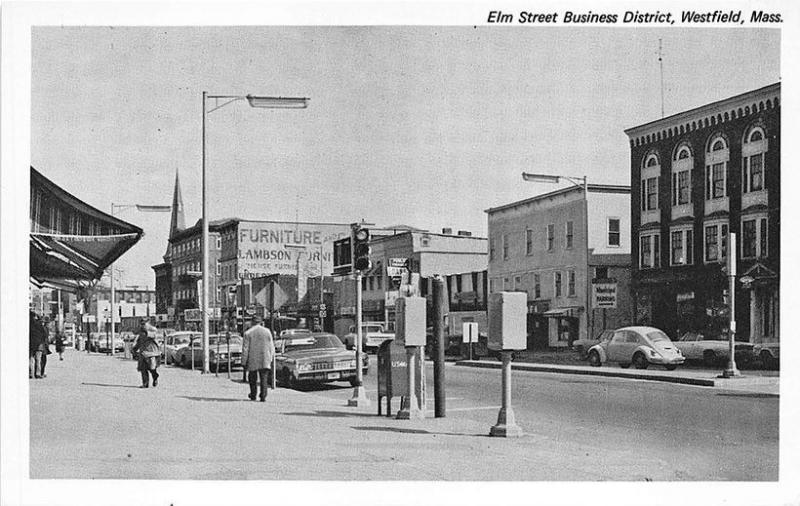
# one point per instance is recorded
(731, 370)
(439, 297)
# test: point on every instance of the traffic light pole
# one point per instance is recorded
(359, 393)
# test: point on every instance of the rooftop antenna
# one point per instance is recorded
(661, 69)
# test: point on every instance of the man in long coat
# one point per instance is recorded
(258, 350)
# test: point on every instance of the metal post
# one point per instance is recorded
(204, 296)
(228, 341)
(587, 276)
(273, 373)
(439, 294)
(731, 370)
(359, 394)
(506, 424)
(410, 408)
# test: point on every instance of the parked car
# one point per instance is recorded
(220, 350)
(712, 350)
(373, 335)
(293, 333)
(318, 357)
(769, 354)
(582, 345)
(175, 342)
(640, 346)
(103, 343)
(189, 352)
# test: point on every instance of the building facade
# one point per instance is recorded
(703, 175)
(411, 255)
(562, 249)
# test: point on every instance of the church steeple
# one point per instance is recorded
(177, 223)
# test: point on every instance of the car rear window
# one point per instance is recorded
(657, 336)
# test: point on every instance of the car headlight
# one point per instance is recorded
(304, 367)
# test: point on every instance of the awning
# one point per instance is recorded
(563, 312)
(75, 259)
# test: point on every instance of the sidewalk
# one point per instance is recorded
(765, 383)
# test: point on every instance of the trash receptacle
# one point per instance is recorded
(393, 377)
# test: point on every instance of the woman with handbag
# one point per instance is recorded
(147, 349)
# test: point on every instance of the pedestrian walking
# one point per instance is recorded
(60, 345)
(45, 346)
(148, 352)
(36, 346)
(258, 350)
(246, 324)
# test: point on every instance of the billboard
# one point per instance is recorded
(270, 247)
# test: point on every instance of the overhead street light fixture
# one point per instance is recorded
(540, 178)
(277, 102)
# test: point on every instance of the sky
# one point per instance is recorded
(419, 125)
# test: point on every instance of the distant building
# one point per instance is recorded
(703, 174)
(540, 246)
(425, 253)
(131, 304)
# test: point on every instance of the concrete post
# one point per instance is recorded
(410, 408)
(506, 424)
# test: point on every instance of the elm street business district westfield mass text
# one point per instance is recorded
(635, 17)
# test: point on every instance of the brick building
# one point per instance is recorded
(703, 174)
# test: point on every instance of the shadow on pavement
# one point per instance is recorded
(331, 414)
(108, 385)
(417, 431)
(753, 395)
(213, 399)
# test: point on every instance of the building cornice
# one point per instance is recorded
(714, 113)
(593, 188)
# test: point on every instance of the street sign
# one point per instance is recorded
(470, 332)
(192, 315)
(323, 314)
(396, 266)
(322, 307)
(604, 295)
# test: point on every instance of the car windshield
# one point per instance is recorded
(313, 342)
(180, 340)
(235, 339)
(657, 336)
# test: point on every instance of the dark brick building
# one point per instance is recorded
(701, 175)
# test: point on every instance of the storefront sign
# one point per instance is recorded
(396, 267)
(283, 247)
(604, 295)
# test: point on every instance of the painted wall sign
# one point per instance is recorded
(282, 248)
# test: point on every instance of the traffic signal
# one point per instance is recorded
(361, 249)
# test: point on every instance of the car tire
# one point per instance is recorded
(594, 359)
(670, 367)
(710, 358)
(640, 361)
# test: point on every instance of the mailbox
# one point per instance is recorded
(410, 321)
(393, 376)
(507, 321)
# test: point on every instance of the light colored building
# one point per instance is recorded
(544, 246)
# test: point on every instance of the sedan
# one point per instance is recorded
(712, 350)
(769, 353)
(222, 351)
(640, 346)
(316, 358)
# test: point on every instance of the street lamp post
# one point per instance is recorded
(262, 102)
(119, 207)
(581, 182)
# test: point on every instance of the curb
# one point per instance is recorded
(705, 382)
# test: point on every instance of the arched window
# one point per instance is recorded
(682, 176)
(649, 188)
(754, 149)
(717, 169)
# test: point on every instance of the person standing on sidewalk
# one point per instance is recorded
(148, 352)
(258, 349)
(37, 340)
(60, 344)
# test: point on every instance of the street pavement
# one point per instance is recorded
(89, 419)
